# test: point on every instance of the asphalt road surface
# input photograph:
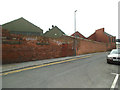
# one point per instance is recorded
(89, 72)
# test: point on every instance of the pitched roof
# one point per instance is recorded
(108, 34)
(21, 25)
(78, 34)
(54, 32)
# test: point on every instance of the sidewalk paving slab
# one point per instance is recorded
(14, 66)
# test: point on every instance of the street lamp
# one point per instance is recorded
(75, 30)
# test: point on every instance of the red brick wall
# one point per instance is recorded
(29, 51)
(56, 47)
(87, 46)
(20, 53)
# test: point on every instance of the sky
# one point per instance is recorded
(90, 16)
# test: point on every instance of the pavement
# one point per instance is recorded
(15, 66)
(87, 72)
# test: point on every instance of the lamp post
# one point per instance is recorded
(75, 30)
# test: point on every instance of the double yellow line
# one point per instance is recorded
(52, 63)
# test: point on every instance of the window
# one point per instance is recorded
(112, 40)
(109, 39)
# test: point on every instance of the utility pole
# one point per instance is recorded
(75, 42)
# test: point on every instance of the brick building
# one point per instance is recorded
(78, 35)
(101, 36)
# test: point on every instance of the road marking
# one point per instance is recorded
(52, 63)
(115, 81)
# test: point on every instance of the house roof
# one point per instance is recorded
(78, 34)
(108, 34)
(54, 32)
(21, 25)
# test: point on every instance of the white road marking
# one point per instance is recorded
(115, 81)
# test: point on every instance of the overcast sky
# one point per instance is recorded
(91, 14)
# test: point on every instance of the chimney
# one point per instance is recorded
(52, 26)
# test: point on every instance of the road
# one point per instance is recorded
(89, 72)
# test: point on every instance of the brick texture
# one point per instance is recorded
(47, 48)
